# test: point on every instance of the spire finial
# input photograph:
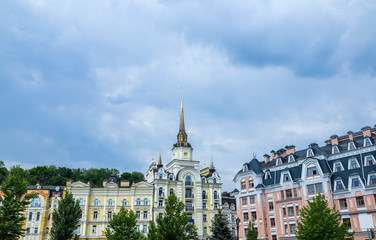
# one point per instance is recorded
(211, 163)
(181, 125)
(182, 135)
(160, 160)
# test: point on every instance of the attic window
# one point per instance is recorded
(245, 168)
(279, 161)
(369, 161)
(268, 175)
(251, 183)
(335, 149)
(353, 163)
(338, 167)
(286, 177)
(160, 176)
(171, 177)
(367, 142)
(291, 158)
(309, 153)
(339, 185)
(243, 186)
(312, 171)
(351, 146)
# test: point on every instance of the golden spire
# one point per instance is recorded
(181, 125)
(211, 163)
(160, 160)
(182, 135)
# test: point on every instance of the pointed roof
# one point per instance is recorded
(160, 161)
(212, 168)
(182, 137)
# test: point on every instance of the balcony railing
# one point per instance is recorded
(189, 208)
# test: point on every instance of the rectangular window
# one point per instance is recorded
(354, 164)
(286, 229)
(145, 214)
(272, 222)
(30, 216)
(243, 186)
(205, 230)
(204, 218)
(346, 221)
(254, 215)
(109, 215)
(215, 205)
(252, 199)
(343, 203)
(251, 183)
(244, 200)
(284, 212)
(286, 177)
(372, 180)
(274, 237)
(369, 161)
(138, 214)
(338, 167)
(245, 217)
(319, 187)
(355, 182)
(360, 201)
(339, 185)
(203, 205)
(35, 230)
(145, 228)
(290, 211)
(297, 210)
(282, 195)
(271, 206)
(94, 228)
(292, 228)
(95, 215)
(295, 192)
(137, 228)
(28, 231)
(288, 193)
(160, 203)
(38, 216)
(311, 189)
(312, 171)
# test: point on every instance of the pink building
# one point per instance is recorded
(273, 191)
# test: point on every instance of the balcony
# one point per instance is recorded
(189, 195)
(189, 209)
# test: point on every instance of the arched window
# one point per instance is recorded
(96, 202)
(188, 181)
(160, 191)
(232, 206)
(203, 180)
(49, 217)
(214, 180)
(216, 195)
(171, 177)
(146, 202)
(110, 202)
(81, 201)
(47, 230)
(138, 201)
(124, 202)
(36, 202)
(161, 176)
(204, 195)
(171, 191)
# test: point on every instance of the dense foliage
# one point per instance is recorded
(58, 176)
(123, 226)
(174, 224)
(220, 227)
(12, 204)
(65, 219)
(252, 233)
(319, 222)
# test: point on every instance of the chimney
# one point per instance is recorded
(273, 154)
(124, 183)
(334, 139)
(290, 149)
(266, 158)
(351, 135)
(366, 131)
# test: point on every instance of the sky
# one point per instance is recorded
(95, 83)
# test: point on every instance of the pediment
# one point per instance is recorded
(79, 184)
(142, 184)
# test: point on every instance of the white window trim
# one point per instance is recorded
(267, 173)
(308, 153)
(278, 161)
(335, 185)
(364, 142)
(282, 179)
(350, 182)
(373, 160)
(358, 165)
(349, 144)
(334, 166)
(333, 149)
(369, 179)
(291, 158)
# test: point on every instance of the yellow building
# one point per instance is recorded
(98, 205)
(39, 213)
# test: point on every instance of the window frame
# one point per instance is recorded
(355, 161)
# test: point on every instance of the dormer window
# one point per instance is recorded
(203, 180)
(351, 146)
(353, 163)
(367, 142)
(268, 175)
(312, 171)
(339, 185)
(309, 153)
(286, 177)
(355, 182)
(245, 168)
(335, 149)
(291, 158)
(372, 179)
(243, 185)
(369, 161)
(161, 176)
(171, 177)
(337, 167)
(279, 161)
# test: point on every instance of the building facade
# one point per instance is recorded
(273, 191)
(199, 190)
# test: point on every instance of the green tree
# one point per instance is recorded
(252, 233)
(174, 224)
(123, 226)
(65, 219)
(220, 227)
(319, 222)
(3, 172)
(132, 177)
(13, 202)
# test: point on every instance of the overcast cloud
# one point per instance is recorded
(97, 83)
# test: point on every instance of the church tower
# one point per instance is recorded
(182, 149)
